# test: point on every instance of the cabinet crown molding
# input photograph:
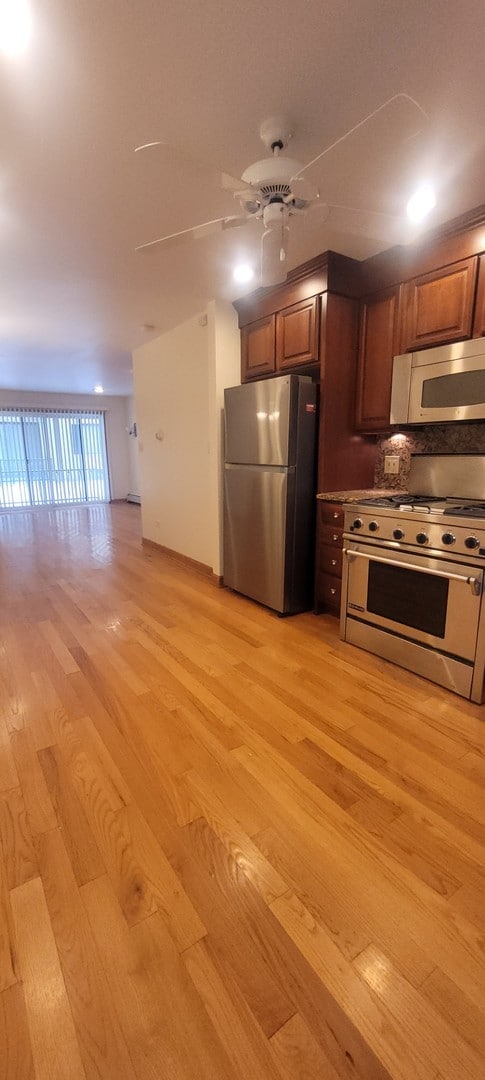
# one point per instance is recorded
(329, 271)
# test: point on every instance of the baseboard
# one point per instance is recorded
(133, 498)
(183, 560)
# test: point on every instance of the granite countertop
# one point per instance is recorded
(356, 496)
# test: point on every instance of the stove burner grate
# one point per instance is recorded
(473, 510)
(396, 501)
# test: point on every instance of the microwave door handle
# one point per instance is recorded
(474, 582)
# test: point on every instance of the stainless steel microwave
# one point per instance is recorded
(439, 385)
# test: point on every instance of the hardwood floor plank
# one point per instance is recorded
(449, 942)
(266, 880)
(82, 849)
(350, 992)
(102, 1045)
(8, 772)
(55, 1049)
(8, 948)
(343, 887)
(468, 901)
(59, 647)
(166, 1027)
(16, 1062)
(189, 1021)
(243, 1039)
(438, 1044)
(41, 815)
(298, 1055)
(273, 977)
(131, 986)
(16, 847)
(462, 1014)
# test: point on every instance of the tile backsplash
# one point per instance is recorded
(436, 439)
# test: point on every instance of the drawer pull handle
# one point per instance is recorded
(335, 536)
(335, 513)
(334, 562)
(333, 591)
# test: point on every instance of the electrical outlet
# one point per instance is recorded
(391, 464)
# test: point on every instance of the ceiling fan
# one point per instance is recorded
(277, 190)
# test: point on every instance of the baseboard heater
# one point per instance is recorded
(133, 498)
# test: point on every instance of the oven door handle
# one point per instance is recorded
(475, 583)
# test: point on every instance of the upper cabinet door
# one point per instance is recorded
(296, 335)
(438, 307)
(378, 343)
(258, 348)
(479, 320)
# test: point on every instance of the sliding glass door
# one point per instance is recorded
(52, 458)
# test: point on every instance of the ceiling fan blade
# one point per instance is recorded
(177, 155)
(274, 245)
(405, 109)
(196, 232)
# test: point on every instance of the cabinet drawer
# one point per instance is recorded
(330, 513)
(330, 560)
(329, 534)
(329, 591)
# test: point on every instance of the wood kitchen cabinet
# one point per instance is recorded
(281, 341)
(378, 344)
(479, 318)
(258, 348)
(438, 307)
(328, 573)
(297, 335)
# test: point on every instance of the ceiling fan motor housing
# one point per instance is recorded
(275, 213)
(271, 180)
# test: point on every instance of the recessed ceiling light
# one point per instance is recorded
(243, 273)
(15, 26)
(98, 389)
(420, 204)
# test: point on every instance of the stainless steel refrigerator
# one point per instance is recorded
(269, 491)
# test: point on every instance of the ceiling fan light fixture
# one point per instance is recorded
(243, 273)
(421, 203)
(15, 26)
(98, 389)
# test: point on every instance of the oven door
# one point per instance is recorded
(425, 599)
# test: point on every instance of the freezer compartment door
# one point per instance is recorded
(260, 422)
(255, 525)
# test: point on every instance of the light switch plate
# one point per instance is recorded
(391, 464)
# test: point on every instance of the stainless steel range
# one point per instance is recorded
(414, 570)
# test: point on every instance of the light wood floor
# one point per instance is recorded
(233, 847)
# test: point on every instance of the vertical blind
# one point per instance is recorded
(50, 457)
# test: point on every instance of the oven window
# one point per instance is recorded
(449, 391)
(408, 597)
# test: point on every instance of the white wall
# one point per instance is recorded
(114, 409)
(133, 448)
(171, 398)
(224, 370)
(179, 381)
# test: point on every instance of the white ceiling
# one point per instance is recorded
(100, 78)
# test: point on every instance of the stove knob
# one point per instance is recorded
(357, 524)
(398, 534)
(448, 538)
(373, 526)
(422, 538)
(472, 542)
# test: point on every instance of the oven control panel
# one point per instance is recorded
(408, 528)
